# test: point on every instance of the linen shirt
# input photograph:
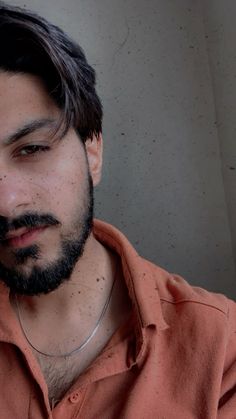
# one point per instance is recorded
(175, 357)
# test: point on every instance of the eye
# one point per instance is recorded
(32, 150)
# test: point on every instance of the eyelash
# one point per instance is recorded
(40, 149)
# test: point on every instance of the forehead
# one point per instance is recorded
(22, 98)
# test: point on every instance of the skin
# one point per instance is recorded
(48, 183)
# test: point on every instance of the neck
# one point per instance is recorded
(92, 274)
(77, 302)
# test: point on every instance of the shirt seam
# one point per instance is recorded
(196, 302)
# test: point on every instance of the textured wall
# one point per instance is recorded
(162, 181)
(220, 27)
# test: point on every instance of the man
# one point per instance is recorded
(88, 329)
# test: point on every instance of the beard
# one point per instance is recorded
(42, 280)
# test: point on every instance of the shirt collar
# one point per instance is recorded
(138, 273)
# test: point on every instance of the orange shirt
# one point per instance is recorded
(175, 358)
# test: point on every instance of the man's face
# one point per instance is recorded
(44, 182)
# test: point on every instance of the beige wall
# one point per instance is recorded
(163, 183)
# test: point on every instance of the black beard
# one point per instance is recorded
(40, 280)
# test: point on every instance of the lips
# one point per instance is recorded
(18, 233)
(23, 237)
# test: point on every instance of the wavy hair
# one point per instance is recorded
(32, 45)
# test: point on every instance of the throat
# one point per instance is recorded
(67, 350)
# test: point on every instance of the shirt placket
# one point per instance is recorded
(71, 404)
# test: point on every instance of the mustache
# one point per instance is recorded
(28, 220)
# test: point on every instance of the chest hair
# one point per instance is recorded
(59, 374)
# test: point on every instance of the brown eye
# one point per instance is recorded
(32, 149)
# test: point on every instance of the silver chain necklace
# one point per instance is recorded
(83, 344)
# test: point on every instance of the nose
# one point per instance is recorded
(12, 195)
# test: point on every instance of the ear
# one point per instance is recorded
(94, 150)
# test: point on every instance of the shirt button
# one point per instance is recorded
(74, 398)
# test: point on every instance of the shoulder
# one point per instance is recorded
(177, 297)
(181, 299)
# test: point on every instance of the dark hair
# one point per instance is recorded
(30, 44)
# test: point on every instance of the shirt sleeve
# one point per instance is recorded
(227, 402)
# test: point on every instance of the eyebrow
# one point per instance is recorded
(29, 128)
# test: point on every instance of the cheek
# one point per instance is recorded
(61, 180)
(65, 189)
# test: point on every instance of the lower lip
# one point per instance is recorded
(25, 239)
